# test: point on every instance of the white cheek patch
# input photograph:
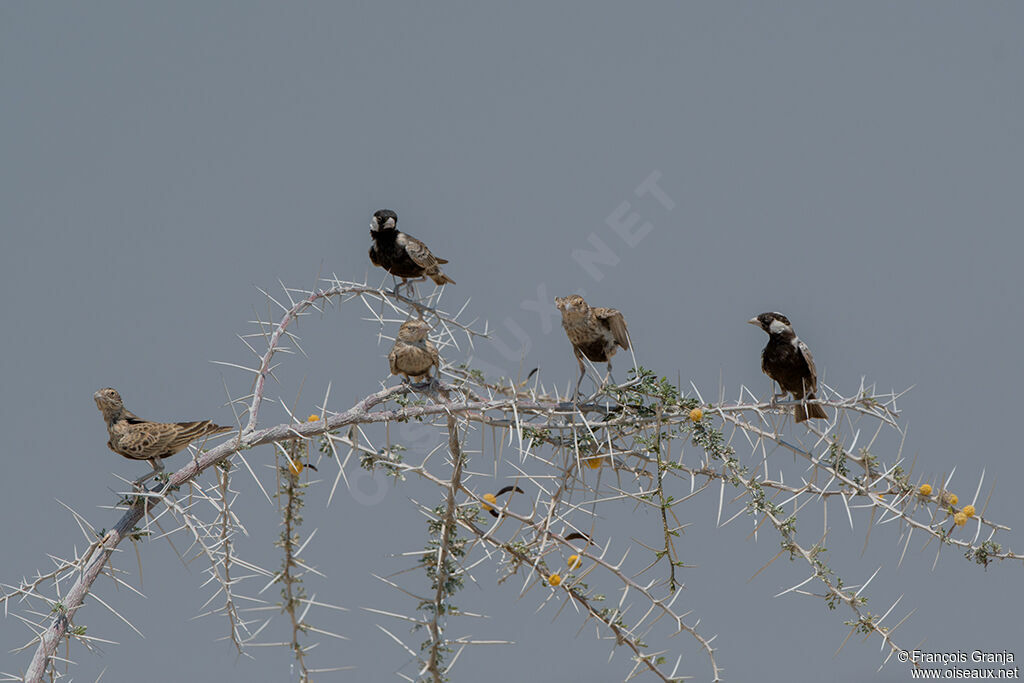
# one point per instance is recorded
(777, 327)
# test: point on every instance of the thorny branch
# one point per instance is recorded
(444, 550)
(626, 430)
(292, 592)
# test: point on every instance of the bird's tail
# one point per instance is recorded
(440, 278)
(218, 429)
(805, 411)
(194, 430)
(190, 431)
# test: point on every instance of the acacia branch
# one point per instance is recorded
(449, 523)
(639, 420)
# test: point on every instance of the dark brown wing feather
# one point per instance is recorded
(616, 323)
(806, 412)
(421, 256)
(812, 383)
(418, 252)
(434, 355)
(393, 360)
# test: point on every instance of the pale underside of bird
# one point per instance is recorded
(595, 332)
(138, 439)
(413, 354)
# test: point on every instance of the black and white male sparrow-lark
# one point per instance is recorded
(139, 439)
(402, 255)
(594, 332)
(413, 355)
(788, 362)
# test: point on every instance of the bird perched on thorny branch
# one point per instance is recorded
(787, 361)
(402, 255)
(138, 439)
(594, 332)
(413, 355)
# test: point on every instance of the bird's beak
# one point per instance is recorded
(754, 321)
(389, 223)
(96, 396)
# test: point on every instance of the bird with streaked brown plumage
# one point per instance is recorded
(139, 439)
(594, 332)
(413, 354)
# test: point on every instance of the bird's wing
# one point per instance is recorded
(145, 440)
(161, 439)
(417, 251)
(806, 352)
(393, 359)
(616, 323)
(434, 354)
(373, 256)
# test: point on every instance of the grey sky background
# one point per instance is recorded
(857, 167)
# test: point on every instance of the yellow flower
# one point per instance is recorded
(314, 418)
(696, 414)
(595, 463)
(953, 499)
(574, 562)
(960, 519)
(925, 490)
(490, 498)
(969, 511)
(554, 579)
(296, 467)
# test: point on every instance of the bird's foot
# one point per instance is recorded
(397, 284)
(160, 478)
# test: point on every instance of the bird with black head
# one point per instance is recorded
(788, 362)
(403, 255)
